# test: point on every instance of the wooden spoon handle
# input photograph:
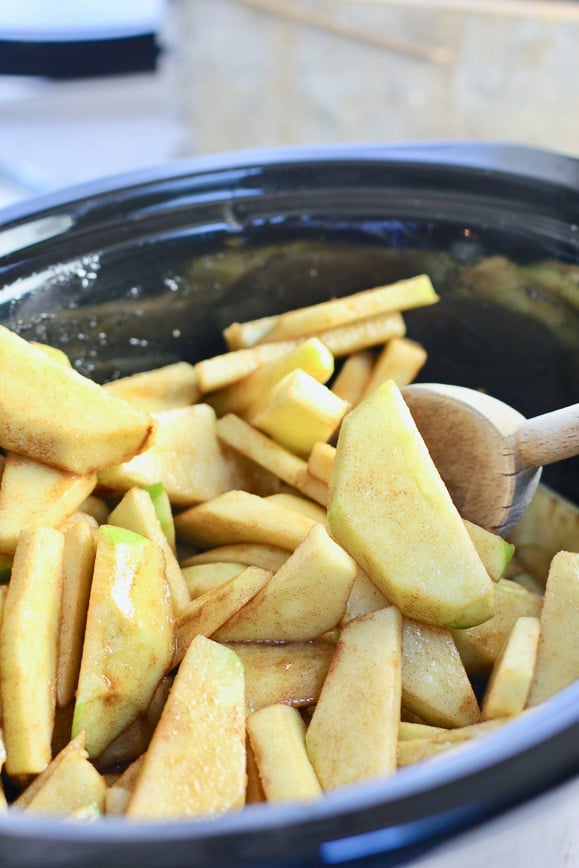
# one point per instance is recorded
(548, 438)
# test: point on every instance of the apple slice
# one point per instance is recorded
(435, 686)
(277, 734)
(33, 494)
(69, 783)
(240, 517)
(400, 360)
(78, 564)
(354, 376)
(195, 764)
(298, 412)
(417, 750)
(288, 672)
(510, 680)
(391, 511)
(205, 615)
(201, 578)
(550, 524)
(402, 295)
(128, 644)
(304, 599)
(186, 458)
(480, 646)
(311, 356)
(248, 554)
(558, 652)
(163, 388)
(28, 650)
(353, 733)
(258, 447)
(58, 417)
(136, 512)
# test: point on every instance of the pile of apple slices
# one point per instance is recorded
(244, 580)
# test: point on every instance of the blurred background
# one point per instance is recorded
(100, 87)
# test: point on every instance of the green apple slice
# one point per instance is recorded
(391, 511)
(128, 644)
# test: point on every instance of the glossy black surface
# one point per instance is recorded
(146, 269)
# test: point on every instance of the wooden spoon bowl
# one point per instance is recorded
(489, 455)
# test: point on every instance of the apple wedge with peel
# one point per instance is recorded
(55, 415)
(391, 511)
(128, 644)
(136, 512)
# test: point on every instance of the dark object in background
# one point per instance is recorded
(79, 59)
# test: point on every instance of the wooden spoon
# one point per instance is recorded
(488, 454)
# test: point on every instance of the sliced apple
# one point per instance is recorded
(364, 333)
(304, 599)
(419, 749)
(391, 511)
(258, 447)
(163, 510)
(510, 679)
(78, 564)
(494, 551)
(401, 360)
(558, 652)
(299, 504)
(220, 371)
(435, 685)
(161, 389)
(70, 783)
(205, 615)
(353, 734)
(33, 494)
(128, 645)
(354, 376)
(277, 734)
(186, 458)
(249, 554)
(136, 512)
(311, 356)
(202, 728)
(288, 672)
(480, 646)
(28, 650)
(201, 578)
(550, 524)
(56, 416)
(240, 517)
(403, 295)
(298, 412)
